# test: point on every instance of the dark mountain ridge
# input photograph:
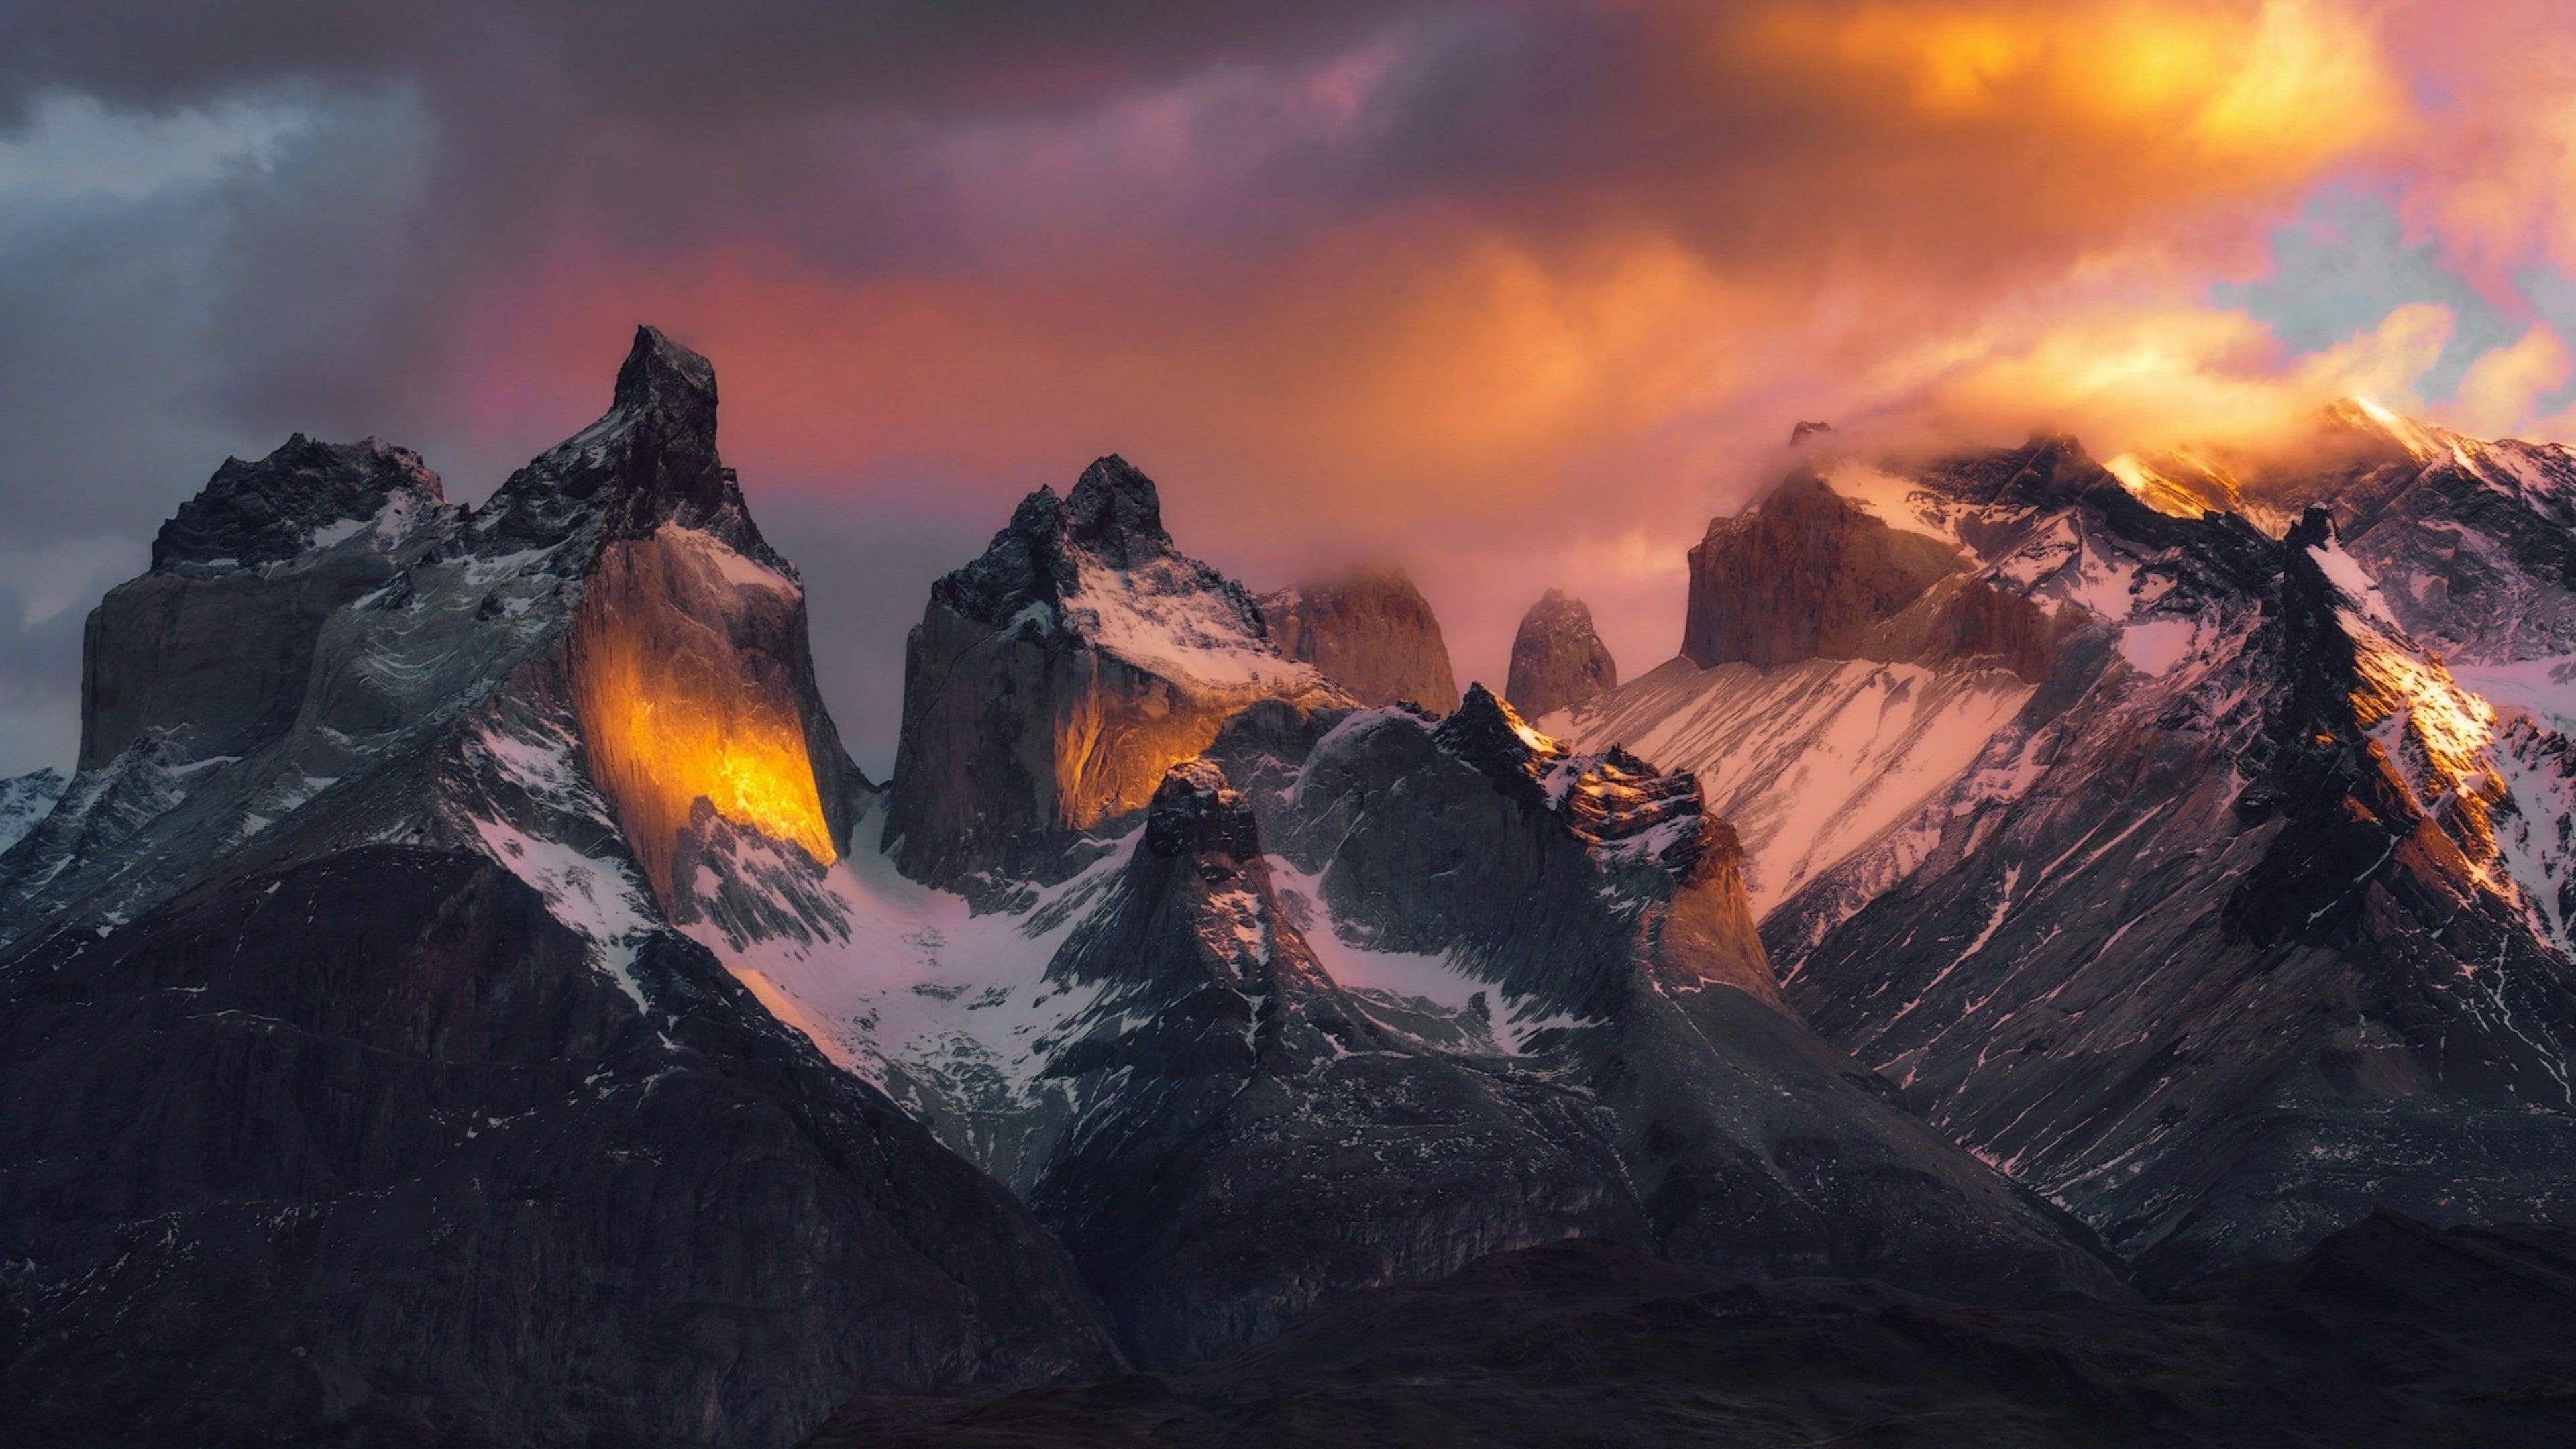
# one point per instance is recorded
(2233, 929)
(357, 1089)
(467, 994)
(2389, 1333)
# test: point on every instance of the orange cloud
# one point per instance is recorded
(2264, 89)
(1957, 218)
(2490, 171)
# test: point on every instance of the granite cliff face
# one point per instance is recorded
(1557, 660)
(1052, 681)
(365, 1074)
(1806, 574)
(1810, 574)
(1370, 632)
(213, 648)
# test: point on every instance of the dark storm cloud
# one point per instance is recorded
(669, 60)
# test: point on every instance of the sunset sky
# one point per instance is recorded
(1516, 292)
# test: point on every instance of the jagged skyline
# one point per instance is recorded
(1518, 293)
(471, 919)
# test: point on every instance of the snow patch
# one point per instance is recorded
(1416, 981)
(737, 569)
(2543, 689)
(1810, 762)
(335, 533)
(2346, 573)
(24, 802)
(2155, 646)
(596, 897)
(1164, 618)
(1896, 501)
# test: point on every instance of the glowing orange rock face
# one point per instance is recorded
(2434, 735)
(681, 678)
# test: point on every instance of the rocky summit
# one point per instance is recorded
(1558, 661)
(2069, 953)
(1053, 680)
(1369, 631)
(360, 1089)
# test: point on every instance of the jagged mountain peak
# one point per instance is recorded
(661, 375)
(650, 459)
(2419, 440)
(2048, 470)
(1097, 569)
(1112, 517)
(268, 510)
(1114, 511)
(1195, 810)
(1056, 676)
(1491, 735)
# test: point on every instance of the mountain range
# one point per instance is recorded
(466, 992)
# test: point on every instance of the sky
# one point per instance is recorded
(1517, 293)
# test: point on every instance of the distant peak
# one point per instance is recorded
(1804, 431)
(1558, 659)
(2360, 414)
(268, 510)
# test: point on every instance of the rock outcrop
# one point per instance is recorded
(1053, 680)
(211, 651)
(1810, 574)
(1253, 1141)
(1805, 574)
(356, 1066)
(1558, 661)
(1371, 632)
(24, 800)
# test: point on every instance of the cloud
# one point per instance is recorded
(1511, 288)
